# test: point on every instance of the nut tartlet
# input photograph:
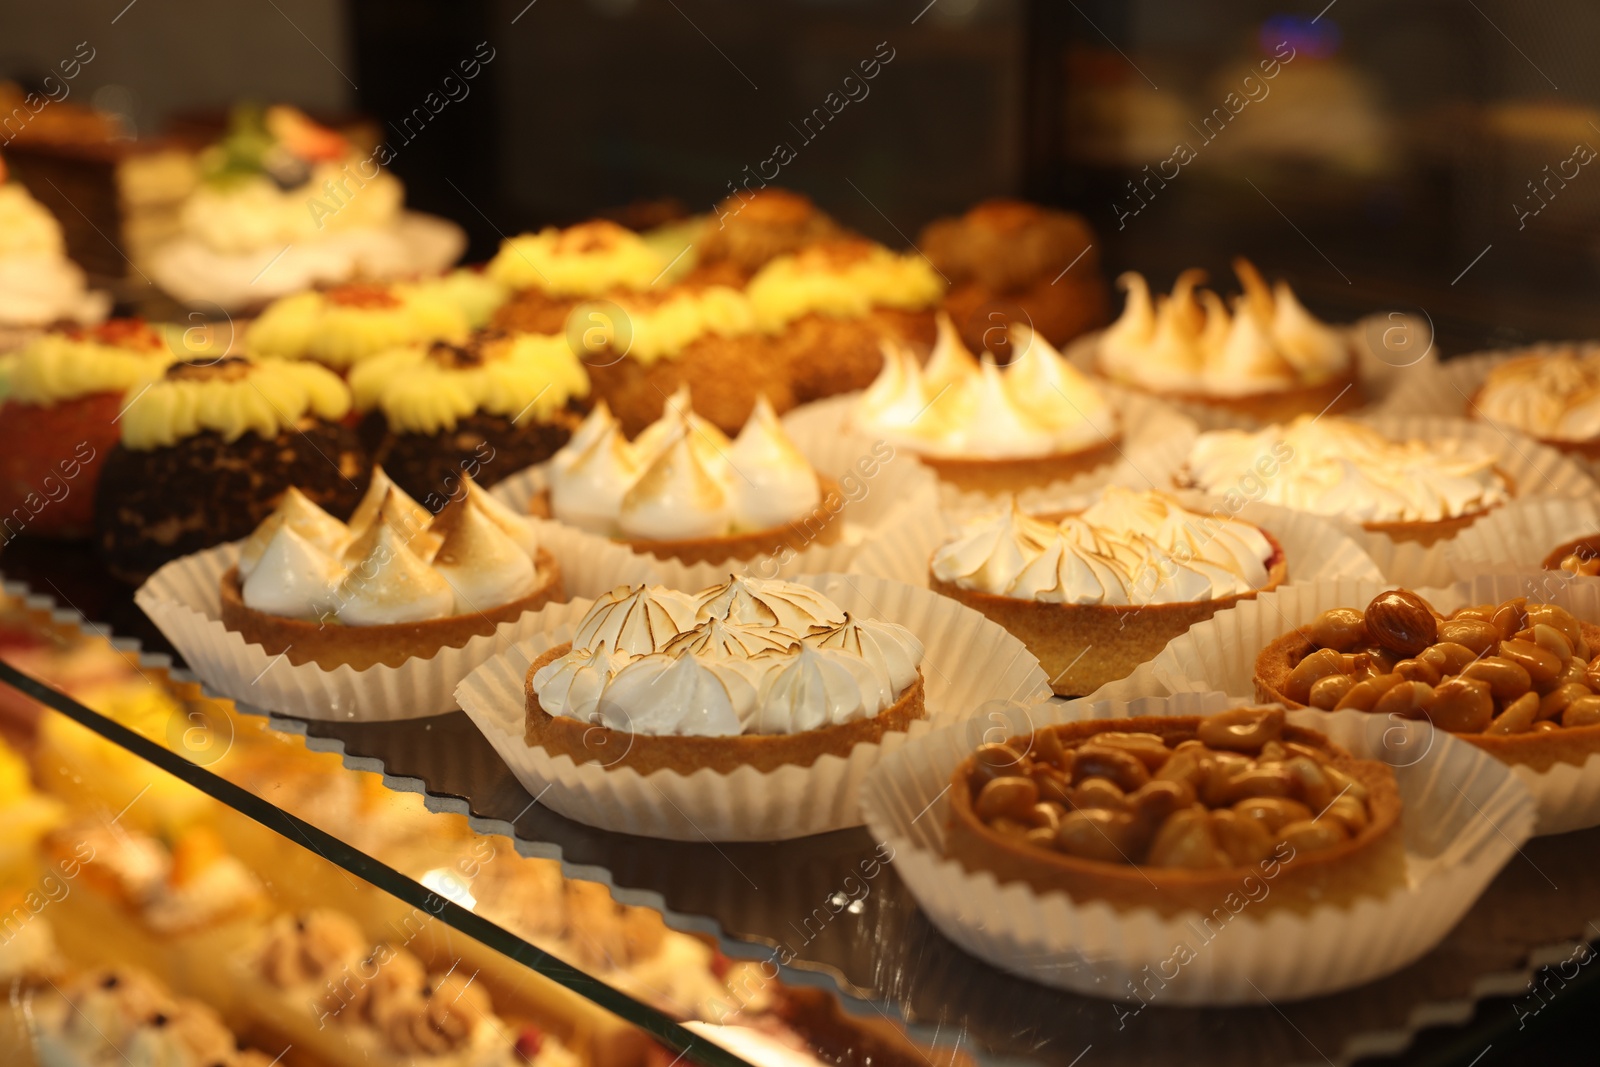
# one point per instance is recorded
(1520, 681)
(1552, 395)
(1411, 490)
(395, 584)
(1180, 814)
(1008, 259)
(1579, 556)
(1095, 594)
(682, 490)
(1269, 360)
(762, 674)
(985, 428)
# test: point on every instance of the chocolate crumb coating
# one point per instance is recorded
(485, 447)
(153, 506)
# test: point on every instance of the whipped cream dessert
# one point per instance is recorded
(1336, 467)
(958, 407)
(681, 478)
(746, 657)
(1555, 396)
(39, 285)
(1127, 548)
(393, 563)
(381, 999)
(1195, 342)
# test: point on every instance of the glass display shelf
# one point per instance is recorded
(828, 913)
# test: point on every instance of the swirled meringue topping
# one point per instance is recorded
(1127, 548)
(747, 657)
(1337, 467)
(393, 563)
(1190, 342)
(1554, 395)
(73, 362)
(1039, 405)
(681, 477)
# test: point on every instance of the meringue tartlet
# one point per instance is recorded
(484, 408)
(1173, 813)
(60, 420)
(988, 428)
(682, 490)
(1005, 256)
(752, 673)
(1268, 359)
(1095, 594)
(1406, 490)
(394, 584)
(207, 447)
(1552, 395)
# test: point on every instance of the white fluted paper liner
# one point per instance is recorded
(1464, 816)
(883, 495)
(1535, 471)
(1316, 549)
(184, 599)
(1155, 442)
(1220, 654)
(969, 661)
(1391, 349)
(1521, 536)
(1449, 386)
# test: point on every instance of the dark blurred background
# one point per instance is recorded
(1427, 155)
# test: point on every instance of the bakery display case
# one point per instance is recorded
(992, 533)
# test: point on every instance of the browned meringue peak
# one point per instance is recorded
(394, 512)
(745, 601)
(951, 361)
(389, 583)
(481, 562)
(304, 517)
(720, 639)
(519, 528)
(377, 494)
(675, 498)
(311, 947)
(637, 620)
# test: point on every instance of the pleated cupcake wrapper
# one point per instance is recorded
(1521, 536)
(1464, 816)
(1155, 441)
(1220, 654)
(1535, 471)
(184, 600)
(1316, 549)
(1449, 386)
(1383, 373)
(893, 498)
(969, 662)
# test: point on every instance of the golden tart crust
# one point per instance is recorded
(587, 742)
(999, 476)
(817, 527)
(1368, 864)
(1335, 396)
(306, 641)
(1084, 646)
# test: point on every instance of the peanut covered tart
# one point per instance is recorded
(1180, 813)
(1097, 593)
(986, 428)
(1268, 359)
(682, 490)
(750, 673)
(1552, 396)
(1520, 680)
(1410, 490)
(395, 583)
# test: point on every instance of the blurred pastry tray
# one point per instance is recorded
(838, 916)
